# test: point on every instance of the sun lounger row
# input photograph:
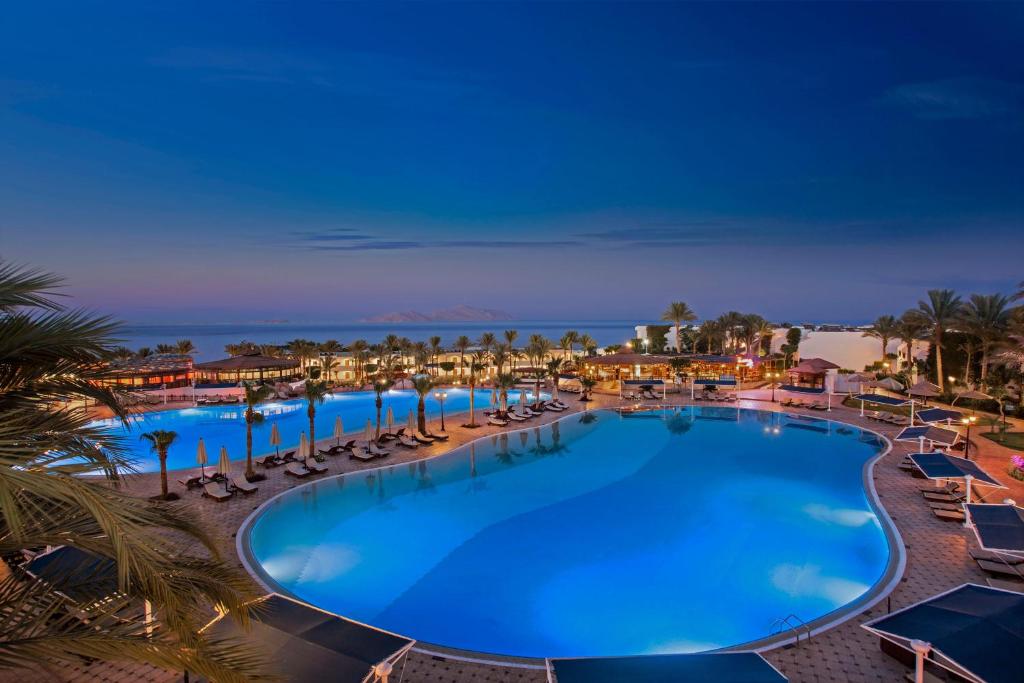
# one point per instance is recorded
(521, 413)
(222, 491)
(721, 397)
(889, 418)
(800, 403)
(217, 400)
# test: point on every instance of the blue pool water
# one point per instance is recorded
(603, 535)
(225, 425)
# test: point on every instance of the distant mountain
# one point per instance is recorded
(461, 313)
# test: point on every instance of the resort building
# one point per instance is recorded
(168, 371)
(246, 367)
(699, 368)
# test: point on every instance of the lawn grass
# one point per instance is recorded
(1014, 440)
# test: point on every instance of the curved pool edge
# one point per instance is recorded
(879, 590)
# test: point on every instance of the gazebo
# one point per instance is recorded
(809, 374)
(254, 366)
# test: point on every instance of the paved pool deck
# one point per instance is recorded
(937, 557)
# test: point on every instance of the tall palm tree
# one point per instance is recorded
(986, 317)
(359, 348)
(678, 312)
(316, 393)
(254, 395)
(329, 366)
(144, 352)
(553, 370)
(537, 351)
(731, 323)
(422, 384)
(752, 328)
(566, 342)
(53, 360)
(381, 383)
(588, 344)
(504, 383)
(499, 356)
(166, 348)
(712, 333)
(510, 339)
(160, 441)
(909, 329)
(487, 341)
(420, 355)
(462, 345)
(939, 311)
(185, 347)
(884, 329)
(435, 349)
(477, 362)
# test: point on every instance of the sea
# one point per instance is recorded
(210, 339)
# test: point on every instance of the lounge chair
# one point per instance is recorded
(436, 436)
(241, 484)
(422, 439)
(358, 453)
(1014, 586)
(1000, 569)
(315, 467)
(950, 486)
(216, 491)
(296, 469)
(511, 415)
(818, 405)
(553, 408)
(374, 449)
(629, 395)
(944, 497)
(268, 461)
(289, 456)
(497, 421)
(730, 398)
(949, 515)
(900, 420)
(979, 554)
(786, 402)
(408, 442)
(952, 507)
(558, 403)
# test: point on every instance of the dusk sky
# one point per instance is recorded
(319, 162)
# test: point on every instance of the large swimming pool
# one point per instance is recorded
(225, 425)
(601, 534)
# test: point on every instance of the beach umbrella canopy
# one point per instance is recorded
(224, 463)
(943, 437)
(933, 415)
(369, 430)
(275, 435)
(201, 452)
(522, 397)
(974, 631)
(339, 428)
(303, 451)
(890, 384)
(924, 388)
(945, 466)
(971, 395)
(999, 528)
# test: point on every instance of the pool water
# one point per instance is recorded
(225, 425)
(601, 534)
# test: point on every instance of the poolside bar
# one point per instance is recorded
(246, 367)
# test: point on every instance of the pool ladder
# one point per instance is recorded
(791, 623)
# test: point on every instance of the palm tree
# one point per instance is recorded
(487, 341)
(420, 355)
(122, 353)
(510, 339)
(422, 384)
(462, 345)
(553, 370)
(987, 317)
(358, 349)
(185, 347)
(537, 351)
(499, 356)
(588, 384)
(166, 348)
(939, 311)
(1010, 354)
(588, 344)
(477, 362)
(316, 393)
(53, 360)
(144, 352)
(160, 440)
(731, 323)
(711, 333)
(909, 329)
(678, 313)
(254, 395)
(329, 366)
(504, 383)
(884, 328)
(269, 350)
(435, 349)
(381, 383)
(568, 339)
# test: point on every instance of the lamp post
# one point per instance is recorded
(968, 421)
(441, 396)
(646, 343)
(772, 376)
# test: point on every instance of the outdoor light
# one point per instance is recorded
(968, 421)
(441, 396)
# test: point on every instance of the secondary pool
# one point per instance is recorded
(225, 425)
(601, 534)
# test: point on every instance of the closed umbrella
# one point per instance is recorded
(275, 439)
(201, 458)
(303, 447)
(369, 430)
(224, 466)
(391, 419)
(522, 397)
(339, 429)
(411, 422)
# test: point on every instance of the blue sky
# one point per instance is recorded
(320, 161)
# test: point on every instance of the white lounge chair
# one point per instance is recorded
(374, 449)
(296, 469)
(407, 442)
(497, 421)
(216, 491)
(515, 418)
(313, 466)
(358, 453)
(242, 484)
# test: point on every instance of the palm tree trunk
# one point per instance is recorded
(380, 404)
(472, 397)
(984, 361)
(249, 472)
(421, 416)
(938, 361)
(163, 471)
(312, 432)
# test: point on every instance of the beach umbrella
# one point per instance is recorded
(275, 438)
(411, 422)
(369, 430)
(522, 397)
(999, 527)
(339, 428)
(971, 395)
(390, 419)
(924, 388)
(890, 384)
(201, 457)
(950, 467)
(224, 466)
(494, 398)
(859, 378)
(303, 451)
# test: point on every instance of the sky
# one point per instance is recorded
(217, 162)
